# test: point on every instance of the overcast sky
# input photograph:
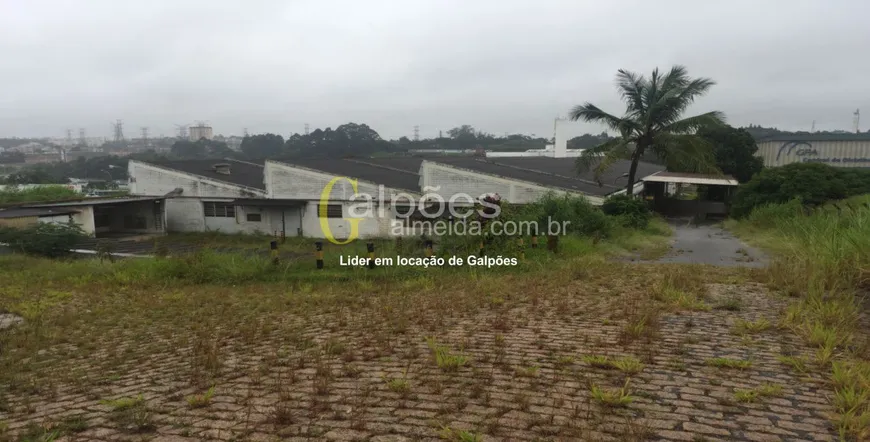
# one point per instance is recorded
(499, 65)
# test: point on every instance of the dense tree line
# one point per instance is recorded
(734, 150)
(105, 168)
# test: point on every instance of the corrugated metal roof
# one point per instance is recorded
(551, 172)
(365, 169)
(98, 201)
(242, 173)
(691, 178)
(28, 212)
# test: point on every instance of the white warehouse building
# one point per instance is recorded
(284, 196)
(846, 150)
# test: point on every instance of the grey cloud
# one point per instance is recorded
(502, 66)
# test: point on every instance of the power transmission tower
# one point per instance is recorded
(416, 133)
(83, 140)
(857, 120)
(118, 127)
(69, 140)
(245, 131)
(182, 131)
(145, 136)
(306, 128)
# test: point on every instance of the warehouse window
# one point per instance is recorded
(253, 217)
(332, 211)
(219, 210)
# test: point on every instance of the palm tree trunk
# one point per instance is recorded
(632, 171)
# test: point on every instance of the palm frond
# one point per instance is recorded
(685, 153)
(631, 87)
(692, 124)
(602, 157)
(676, 100)
(590, 113)
(676, 78)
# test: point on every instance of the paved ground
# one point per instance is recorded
(710, 244)
(358, 374)
(8, 319)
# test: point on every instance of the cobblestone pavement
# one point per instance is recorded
(524, 377)
(710, 244)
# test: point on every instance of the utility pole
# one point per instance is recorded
(416, 133)
(813, 128)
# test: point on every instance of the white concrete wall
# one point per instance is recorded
(57, 219)
(452, 180)
(148, 179)
(184, 215)
(293, 182)
(85, 219)
(187, 215)
(376, 226)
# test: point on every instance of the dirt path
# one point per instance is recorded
(710, 244)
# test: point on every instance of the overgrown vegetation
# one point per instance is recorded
(16, 195)
(822, 261)
(632, 212)
(811, 184)
(44, 239)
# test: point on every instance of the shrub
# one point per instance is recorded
(631, 212)
(44, 239)
(583, 218)
(811, 183)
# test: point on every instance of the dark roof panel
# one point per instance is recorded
(552, 172)
(363, 169)
(242, 173)
(28, 212)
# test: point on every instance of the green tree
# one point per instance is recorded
(652, 120)
(263, 146)
(734, 150)
(811, 183)
(188, 149)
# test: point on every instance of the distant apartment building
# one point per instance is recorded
(200, 131)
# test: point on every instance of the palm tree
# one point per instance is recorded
(652, 121)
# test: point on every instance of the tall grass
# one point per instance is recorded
(37, 194)
(822, 258)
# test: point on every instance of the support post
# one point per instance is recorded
(318, 253)
(274, 250)
(370, 246)
(429, 250)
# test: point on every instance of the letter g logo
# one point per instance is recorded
(324, 221)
